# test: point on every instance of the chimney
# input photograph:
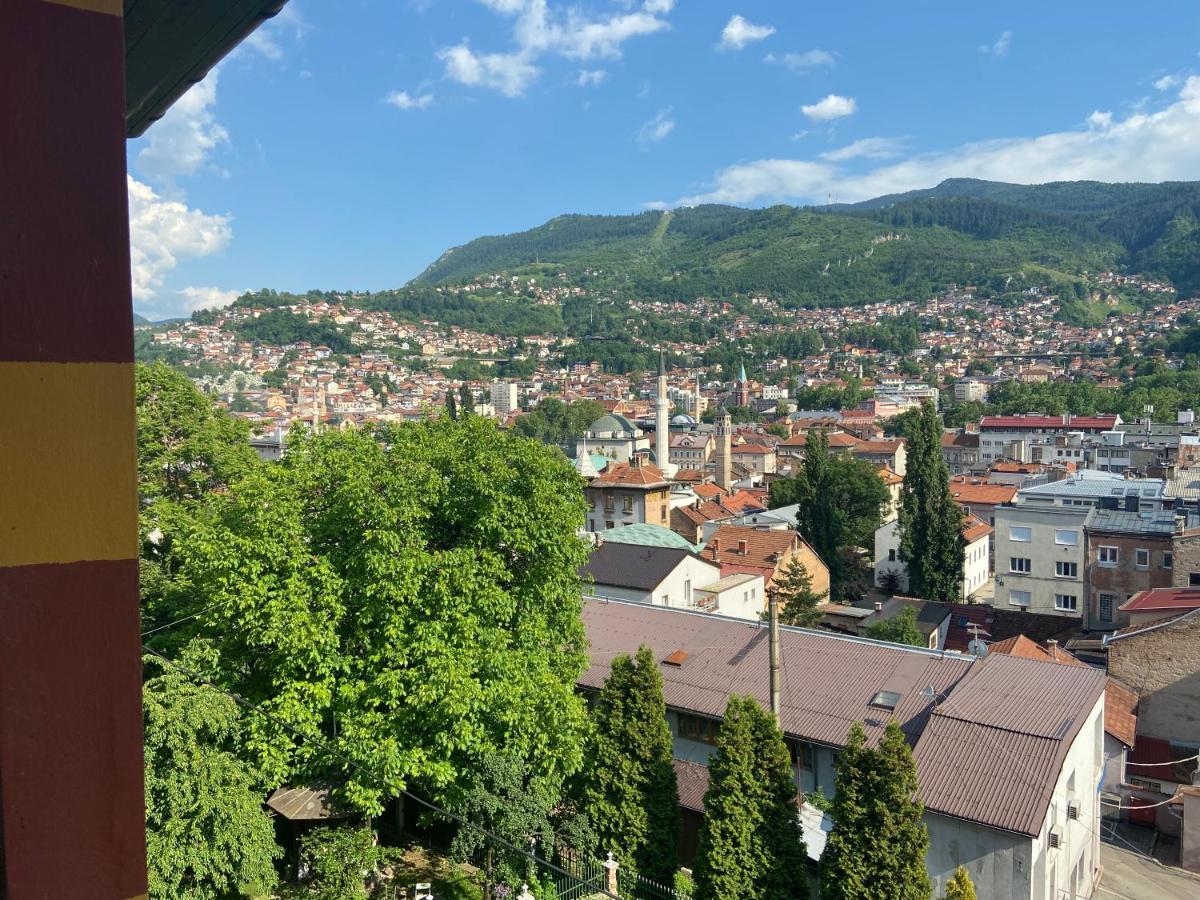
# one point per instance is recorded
(878, 606)
(715, 543)
(1052, 644)
(742, 548)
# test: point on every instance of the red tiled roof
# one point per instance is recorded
(974, 529)
(708, 491)
(1167, 599)
(630, 475)
(764, 549)
(1101, 423)
(878, 446)
(1120, 708)
(983, 494)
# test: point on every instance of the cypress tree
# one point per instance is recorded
(631, 795)
(877, 848)
(751, 845)
(466, 400)
(960, 887)
(451, 405)
(931, 541)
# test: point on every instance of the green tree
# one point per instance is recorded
(206, 833)
(186, 446)
(841, 502)
(751, 845)
(877, 848)
(410, 599)
(466, 400)
(959, 887)
(451, 405)
(798, 602)
(899, 629)
(631, 797)
(931, 541)
(338, 860)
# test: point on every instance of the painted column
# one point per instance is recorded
(71, 806)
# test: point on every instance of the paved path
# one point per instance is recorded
(1128, 876)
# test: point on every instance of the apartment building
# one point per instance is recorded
(504, 398)
(627, 493)
(1127, 552)
(1028, 438)
(1040, 558)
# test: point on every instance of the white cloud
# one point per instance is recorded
(405, 100)
(831, 107)
(867, 148)
(590, 77)
(207, 297)
(1156, 146)
(655, 129)
(163, 231)
(268, 39)
(539, 30)
(800, 62)
(1166, 82)
(180, 142)
(738, 32)
(1000, 46)
(508, 73)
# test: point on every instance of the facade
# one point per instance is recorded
(1007, 759)
(658, 576)
(504, 398)
(743, 550)
(892, 454)
(737, 596)
(615, 437)
(755, 458)
(960, 450)
(628, 493)
(1040, 559)
(969, 390)
(691, 449)
(1026, 438)
(976, 557)
(1107, 490)
(1126, 553)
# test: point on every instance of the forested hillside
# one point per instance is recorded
(904, 245)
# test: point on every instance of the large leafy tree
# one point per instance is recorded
(799, 604)
(206, 833)
(751, 845)
(841, 502)
(631, 796)
(931, 541)
(899, 629)
(877, 848)
(409, 599)
(186, 446)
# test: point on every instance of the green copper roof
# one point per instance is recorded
(647, 536)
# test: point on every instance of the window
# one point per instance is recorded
(687, 592)
(802, 754)
(609, 503)
(1022, 534)
(892, 555)
(695, 728)
(1146, 785)
(1020, 565)
(1066, 536)
(1107, 556)
(1168, 559)
(1066, 602)
(1194, 579)
(627, 504)
(1106, 603)
(1142, 558)
(1019, 598)
(885, 699)
(1066, 569)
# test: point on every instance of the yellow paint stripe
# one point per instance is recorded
(68, 463)
(109, 7)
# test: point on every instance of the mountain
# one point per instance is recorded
(140, 320)
(962, 230)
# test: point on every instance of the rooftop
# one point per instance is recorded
(1160, 523)
(1166, 600)
(646, 535)
(633, 566)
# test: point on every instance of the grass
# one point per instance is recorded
(450, 881)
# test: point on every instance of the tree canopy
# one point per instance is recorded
(931, 541)
(899, 629)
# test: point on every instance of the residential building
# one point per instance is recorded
(889, 567)
(933, 619)
(691, 449)
(504, 398)
(1040, 561)
(890, 453)
(740, 549)
(960, 450)
(1107, 490)
(737, 596)
(1026, 438)
(755, 458)
(980, 498)
(1007, 754)
(626, 493)
(1127, 552)
(661, 576)
(970, 390)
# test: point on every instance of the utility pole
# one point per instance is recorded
(773, 619)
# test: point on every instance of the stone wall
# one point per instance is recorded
(1187, 557)
(1163, 666)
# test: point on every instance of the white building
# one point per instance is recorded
(976, 568)
(1041, 558)
(658, 576)
(1008, 750)
(739, 596)
(504, 398)
(1028, 438)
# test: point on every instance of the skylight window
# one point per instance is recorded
(886, 700)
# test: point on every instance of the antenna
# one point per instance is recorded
(976, 645)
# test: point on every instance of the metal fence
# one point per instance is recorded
(586, 877)
(633, 886)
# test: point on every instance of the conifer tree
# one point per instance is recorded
(798, 603)
(451, 405)
(960, 887)
(466, 400)
(751, 845)
(877, 848)
(931, 541)
(631, 796)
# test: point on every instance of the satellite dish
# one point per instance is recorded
(976, 647)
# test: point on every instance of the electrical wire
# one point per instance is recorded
(187, 618)
(321, 745)
(1173, 762)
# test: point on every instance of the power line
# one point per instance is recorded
(253, 707)
(187, 618)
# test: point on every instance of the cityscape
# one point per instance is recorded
(830, 531)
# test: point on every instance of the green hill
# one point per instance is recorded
(963, 230)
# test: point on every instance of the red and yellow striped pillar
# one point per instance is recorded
(71, 804)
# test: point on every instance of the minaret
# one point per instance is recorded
(662, 425)
(724, 451)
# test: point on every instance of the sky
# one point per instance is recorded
(345, 146)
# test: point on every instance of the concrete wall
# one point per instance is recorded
(1000, 863)
(1126, 578)
(1042, 583)
(1163, 666)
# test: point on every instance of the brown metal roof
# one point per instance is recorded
(991, 753)
(306, 803)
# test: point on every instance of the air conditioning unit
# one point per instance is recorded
(1073, 810)
(1054, 840)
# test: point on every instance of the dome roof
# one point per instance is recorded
(681, 419)
(613, 422)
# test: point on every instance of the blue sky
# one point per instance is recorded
(346, 145)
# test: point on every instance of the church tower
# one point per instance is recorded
(724, 454)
